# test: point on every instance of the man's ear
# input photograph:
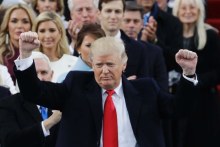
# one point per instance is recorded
(124, 66)
(99, 15)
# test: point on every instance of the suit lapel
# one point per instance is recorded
(133, 103)
(93, 93)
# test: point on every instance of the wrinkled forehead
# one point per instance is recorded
(83, 4)
(106, 58)
(42, 64)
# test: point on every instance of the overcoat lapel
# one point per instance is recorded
(133, 103)
(93, 93)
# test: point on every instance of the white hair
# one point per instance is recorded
(40, 55)
(200, 25)
(71, 4)
(109, 45)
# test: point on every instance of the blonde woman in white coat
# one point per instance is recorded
(5, 79)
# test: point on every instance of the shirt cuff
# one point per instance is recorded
(46, 132)
(22, 64)
(194, 80)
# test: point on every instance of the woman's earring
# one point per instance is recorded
(6, 39)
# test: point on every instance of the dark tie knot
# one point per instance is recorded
(110, 92)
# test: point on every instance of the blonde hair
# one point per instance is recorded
(109, 45)
(62, 47)
(7, 51)
(200, 25)
(60, 7)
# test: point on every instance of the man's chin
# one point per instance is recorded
(107, 86)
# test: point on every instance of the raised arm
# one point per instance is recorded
(44, 93)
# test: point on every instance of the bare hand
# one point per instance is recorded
(73, 28)
(133, 77)
(28, 41)
(56, 116)
(52, 120)
(187, 61)
(149, 31)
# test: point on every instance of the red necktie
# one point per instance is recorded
(110, 127)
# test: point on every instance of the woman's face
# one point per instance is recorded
(49, 35)
(84, 49)
(188, 12)
(19, 22)
(46, 5)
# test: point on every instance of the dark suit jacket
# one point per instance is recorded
(20, 124)
(4, 92)
(79, 98)
(145, 60)
(155, 65)
(203, 126)
(169, 35)
(136, 57)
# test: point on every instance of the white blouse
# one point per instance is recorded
(63, 65)
(6, 79)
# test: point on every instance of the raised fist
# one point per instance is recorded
(187, 61)
(28, 41)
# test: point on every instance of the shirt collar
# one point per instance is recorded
(118, 90)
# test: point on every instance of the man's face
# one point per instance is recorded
(108, 70)
(111, 16)
(44, 72)
(146, 4)
(84, 11)
(46, 5)
(132, 23)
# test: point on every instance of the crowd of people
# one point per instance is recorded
(60, 60)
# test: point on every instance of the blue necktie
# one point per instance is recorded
(43, 111)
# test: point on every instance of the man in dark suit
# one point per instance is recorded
(132, 24)
(111, 17)
(162, 29)
(21, 123)
(155, 64)
(138, 104)
(4, 92)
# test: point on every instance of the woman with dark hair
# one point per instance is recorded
(86, 36)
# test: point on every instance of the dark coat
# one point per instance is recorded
(79, 98)
(4, 92)
(20, 124)
(145, 60)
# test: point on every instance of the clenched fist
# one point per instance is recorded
(187, 61)
(28, 41)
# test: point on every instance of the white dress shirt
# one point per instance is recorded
(126, 136)
(46, 132)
